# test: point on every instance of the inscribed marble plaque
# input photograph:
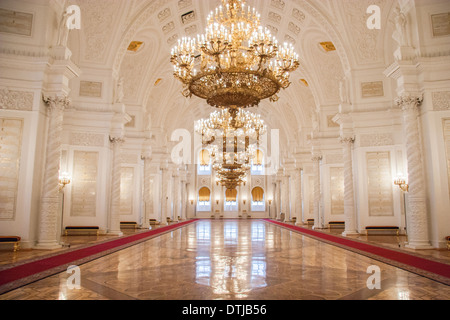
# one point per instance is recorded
(91, 89)
(441, 24)
(126, 190)
(337, 190)
(14, 22)
(11, 131)
(446, 126)
(379, 184)
(84, 184)
(372, 89)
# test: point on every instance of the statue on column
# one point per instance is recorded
(343, 90)
(400, 34)
(119, 94)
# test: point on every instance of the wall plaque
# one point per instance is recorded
(14, 22)
(380, 184)
(126, 190)
(11, 131)
(446, 126)
(372, 89)
(84, 184)
(440, 24)
(337, 190)
(91, 89)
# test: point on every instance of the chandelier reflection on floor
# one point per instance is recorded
(236, 63)
(232, 137)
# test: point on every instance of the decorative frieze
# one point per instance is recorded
(16, 100)
(441, 100)
(376, 140)
(87, 139)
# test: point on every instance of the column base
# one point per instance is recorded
(419, 245)
(350, 233)
(48, 245)
(115, 233)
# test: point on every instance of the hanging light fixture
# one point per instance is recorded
(232, 137)
(237, 63)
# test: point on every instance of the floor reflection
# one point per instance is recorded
(235, 263)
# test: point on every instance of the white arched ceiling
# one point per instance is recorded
(110, 26)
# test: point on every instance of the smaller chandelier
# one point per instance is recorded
(232, 137)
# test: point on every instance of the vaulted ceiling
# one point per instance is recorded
(109, 26)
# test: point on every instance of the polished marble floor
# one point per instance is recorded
(233, 259)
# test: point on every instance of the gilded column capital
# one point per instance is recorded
(56, 103)
(409, 101)
(118, 140)
(347, 140)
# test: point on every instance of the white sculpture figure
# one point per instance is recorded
(400, 35)
(71, 19)
(343, 91)
(63, 32)
(119, 91)
(315, 122)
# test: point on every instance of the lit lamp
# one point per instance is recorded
(400, 181)
(64, 179)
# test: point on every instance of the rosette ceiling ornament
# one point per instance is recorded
(237, 63)
(232, 137)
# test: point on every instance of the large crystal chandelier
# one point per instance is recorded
(232, 137)
(236, 63)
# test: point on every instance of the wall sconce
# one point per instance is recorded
(192, 202)
(270, 202)
(64, 179)
(217, 202)
(244, 201)
(400, 181)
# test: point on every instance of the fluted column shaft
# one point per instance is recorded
(114, 224)
(285, 198)
(417, 220)
(48, 234)
(349, 197)
(298, 198)
(316, 168)
(148, 194)
(164, 195)
(176, 196)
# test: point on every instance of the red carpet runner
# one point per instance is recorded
(431, 269)
(26, 273)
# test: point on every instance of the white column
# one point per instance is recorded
(114, 221)
(349, 197)
(48, 229)
(298, 196)
(417, 217)
(164, 194)
(316, 168)
(285, 199)
(148, 194)
(278, 198)
(176, 195)
(183, 196)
